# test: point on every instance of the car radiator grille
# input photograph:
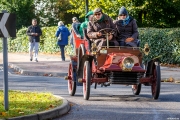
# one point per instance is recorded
(125, 77)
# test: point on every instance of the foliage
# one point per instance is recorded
(109, 6)
(26, 103)
(149, 13)
(164, 44)
(153, 13)
(1, 45)
(20, 43)
(48, 42)
(50, 12)
(24, 10)
(47, 12)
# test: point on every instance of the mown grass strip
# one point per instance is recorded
(26, 103)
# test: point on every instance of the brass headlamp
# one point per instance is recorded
(127, 64)
(146, 49)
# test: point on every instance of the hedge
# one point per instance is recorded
(47, 42)
(164, 43)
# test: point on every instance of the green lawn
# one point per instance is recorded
(25, 103)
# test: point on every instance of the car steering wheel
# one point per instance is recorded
(107, 31)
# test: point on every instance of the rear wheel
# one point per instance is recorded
(87, 78)
(136, 89)
(156, 81)
(71, 81)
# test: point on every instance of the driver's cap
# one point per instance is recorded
(97, 10)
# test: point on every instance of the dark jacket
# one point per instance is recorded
(64, 35)
(129, 30)
(95, 26)
(34, 29)
(75, 28)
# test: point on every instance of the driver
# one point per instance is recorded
(100, 21)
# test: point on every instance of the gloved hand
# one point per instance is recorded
(110, 37)
(99, 34)
(130, 39)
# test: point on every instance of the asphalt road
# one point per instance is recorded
(115, 102)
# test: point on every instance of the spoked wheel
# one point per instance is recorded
(71, 81)
(87, 78)
(136, 89)
(156, 82)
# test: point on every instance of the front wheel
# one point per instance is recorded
(156, 81)
(136, 89)
(71, 81)
(87, 78)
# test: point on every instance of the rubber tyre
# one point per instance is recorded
(137, 89)
(87, 78)
(71, 83)
(156, 84)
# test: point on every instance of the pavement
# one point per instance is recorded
(51, 65)
(47, 65)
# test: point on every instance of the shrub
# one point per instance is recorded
(164, 43)
(48, 42)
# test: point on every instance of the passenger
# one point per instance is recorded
(74, 27)
(98, 22)
(126, 28)
(83, 25)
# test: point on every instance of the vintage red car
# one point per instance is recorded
(111, 65)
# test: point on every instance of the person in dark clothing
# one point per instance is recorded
(126, 28)
(83, 25)
(99, 22)
(34, 32)
(74, 27)
(64, 32)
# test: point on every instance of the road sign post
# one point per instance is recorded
(7, 28)
(5, 67)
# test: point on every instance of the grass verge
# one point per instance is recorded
(26, 103)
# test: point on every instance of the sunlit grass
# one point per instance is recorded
(25, 103)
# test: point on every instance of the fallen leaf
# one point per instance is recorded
(50, 75)
(50, 106)
(71, 104)
(45, 75)
(171, 79)
(177, 81)
(21, 112)
(3, 113)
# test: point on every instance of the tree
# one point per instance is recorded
(157, 14)
(109, 6)
(48, 12)
(51, 11)
(148, 13)
(24, 10)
